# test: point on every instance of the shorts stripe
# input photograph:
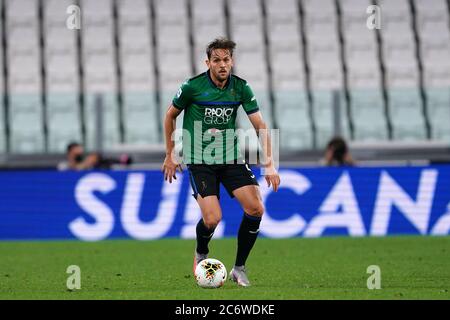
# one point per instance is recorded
(193, 182)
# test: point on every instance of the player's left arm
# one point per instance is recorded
(270, 173)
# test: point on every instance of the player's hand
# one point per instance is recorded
(169, 168)
(272, 178)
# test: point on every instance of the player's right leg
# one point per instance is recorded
(211, 216)
(205, 185)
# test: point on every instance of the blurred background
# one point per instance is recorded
(316, 68)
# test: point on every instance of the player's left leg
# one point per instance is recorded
(251, 202)
(241, 184)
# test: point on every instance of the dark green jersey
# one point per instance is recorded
(209, 121)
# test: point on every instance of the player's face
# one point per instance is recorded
(220, 64)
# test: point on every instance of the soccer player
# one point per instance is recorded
(210, 102)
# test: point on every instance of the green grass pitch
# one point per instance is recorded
(323, 268)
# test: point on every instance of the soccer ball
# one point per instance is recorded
(210, 273)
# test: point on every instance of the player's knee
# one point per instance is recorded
(255, 209)
(211, 222)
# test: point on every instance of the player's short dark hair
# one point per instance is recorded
(72, 145)
(220, 43)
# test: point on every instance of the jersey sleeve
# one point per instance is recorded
(249, 102)
(183, 97)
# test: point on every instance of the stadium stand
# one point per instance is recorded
(206, 27)
(137, 72)
(432, 23)
(301, 57)
(26, 129)
(405, 105)
(174, 56)
(288, 74)
(325, 64)
(62, 78)
(246, 29)
(364, 82)
(2, 96)
(99, 68)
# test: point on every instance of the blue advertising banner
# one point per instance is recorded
(311, 202)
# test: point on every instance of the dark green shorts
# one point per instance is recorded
(205, 179)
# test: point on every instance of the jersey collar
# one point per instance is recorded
(208, 75)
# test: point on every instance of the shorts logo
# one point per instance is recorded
(218, 115)
(251, 173)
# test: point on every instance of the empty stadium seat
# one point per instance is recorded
(288, 75)
(23, 56)
(2, 110)
(139, 112)
(250, 61)
(168, 93)
(172, 38)
(285, 45)
(431, 16)
(438, 102)
(291, 112)
(398, 45)
(323, 115)
(401, 62)
(246, 134)
(259, 82)
(136, 47)
(246, 25)
(323, 44)
(263, 100)
(62, 78)
(137, 71)
(402, 71)
(26, 123)
(360, 46)
(25, 81)
(325, 64)
(132, 9)
(320, 18)
(100, 74)
(63, 120)
(432, 21)
(368, 114)
(405, 111)
(363, 73)
(283, 22)
(436, 65)
(208, 23)
(2, 127)
(171, 74)
(110, 121)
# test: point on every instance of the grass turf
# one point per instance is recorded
(322, 268)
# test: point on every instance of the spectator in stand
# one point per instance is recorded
(337, 153)
(77, 160)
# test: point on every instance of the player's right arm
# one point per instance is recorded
(181, 101)
(170, 165)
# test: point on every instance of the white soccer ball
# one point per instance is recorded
(210, 273)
